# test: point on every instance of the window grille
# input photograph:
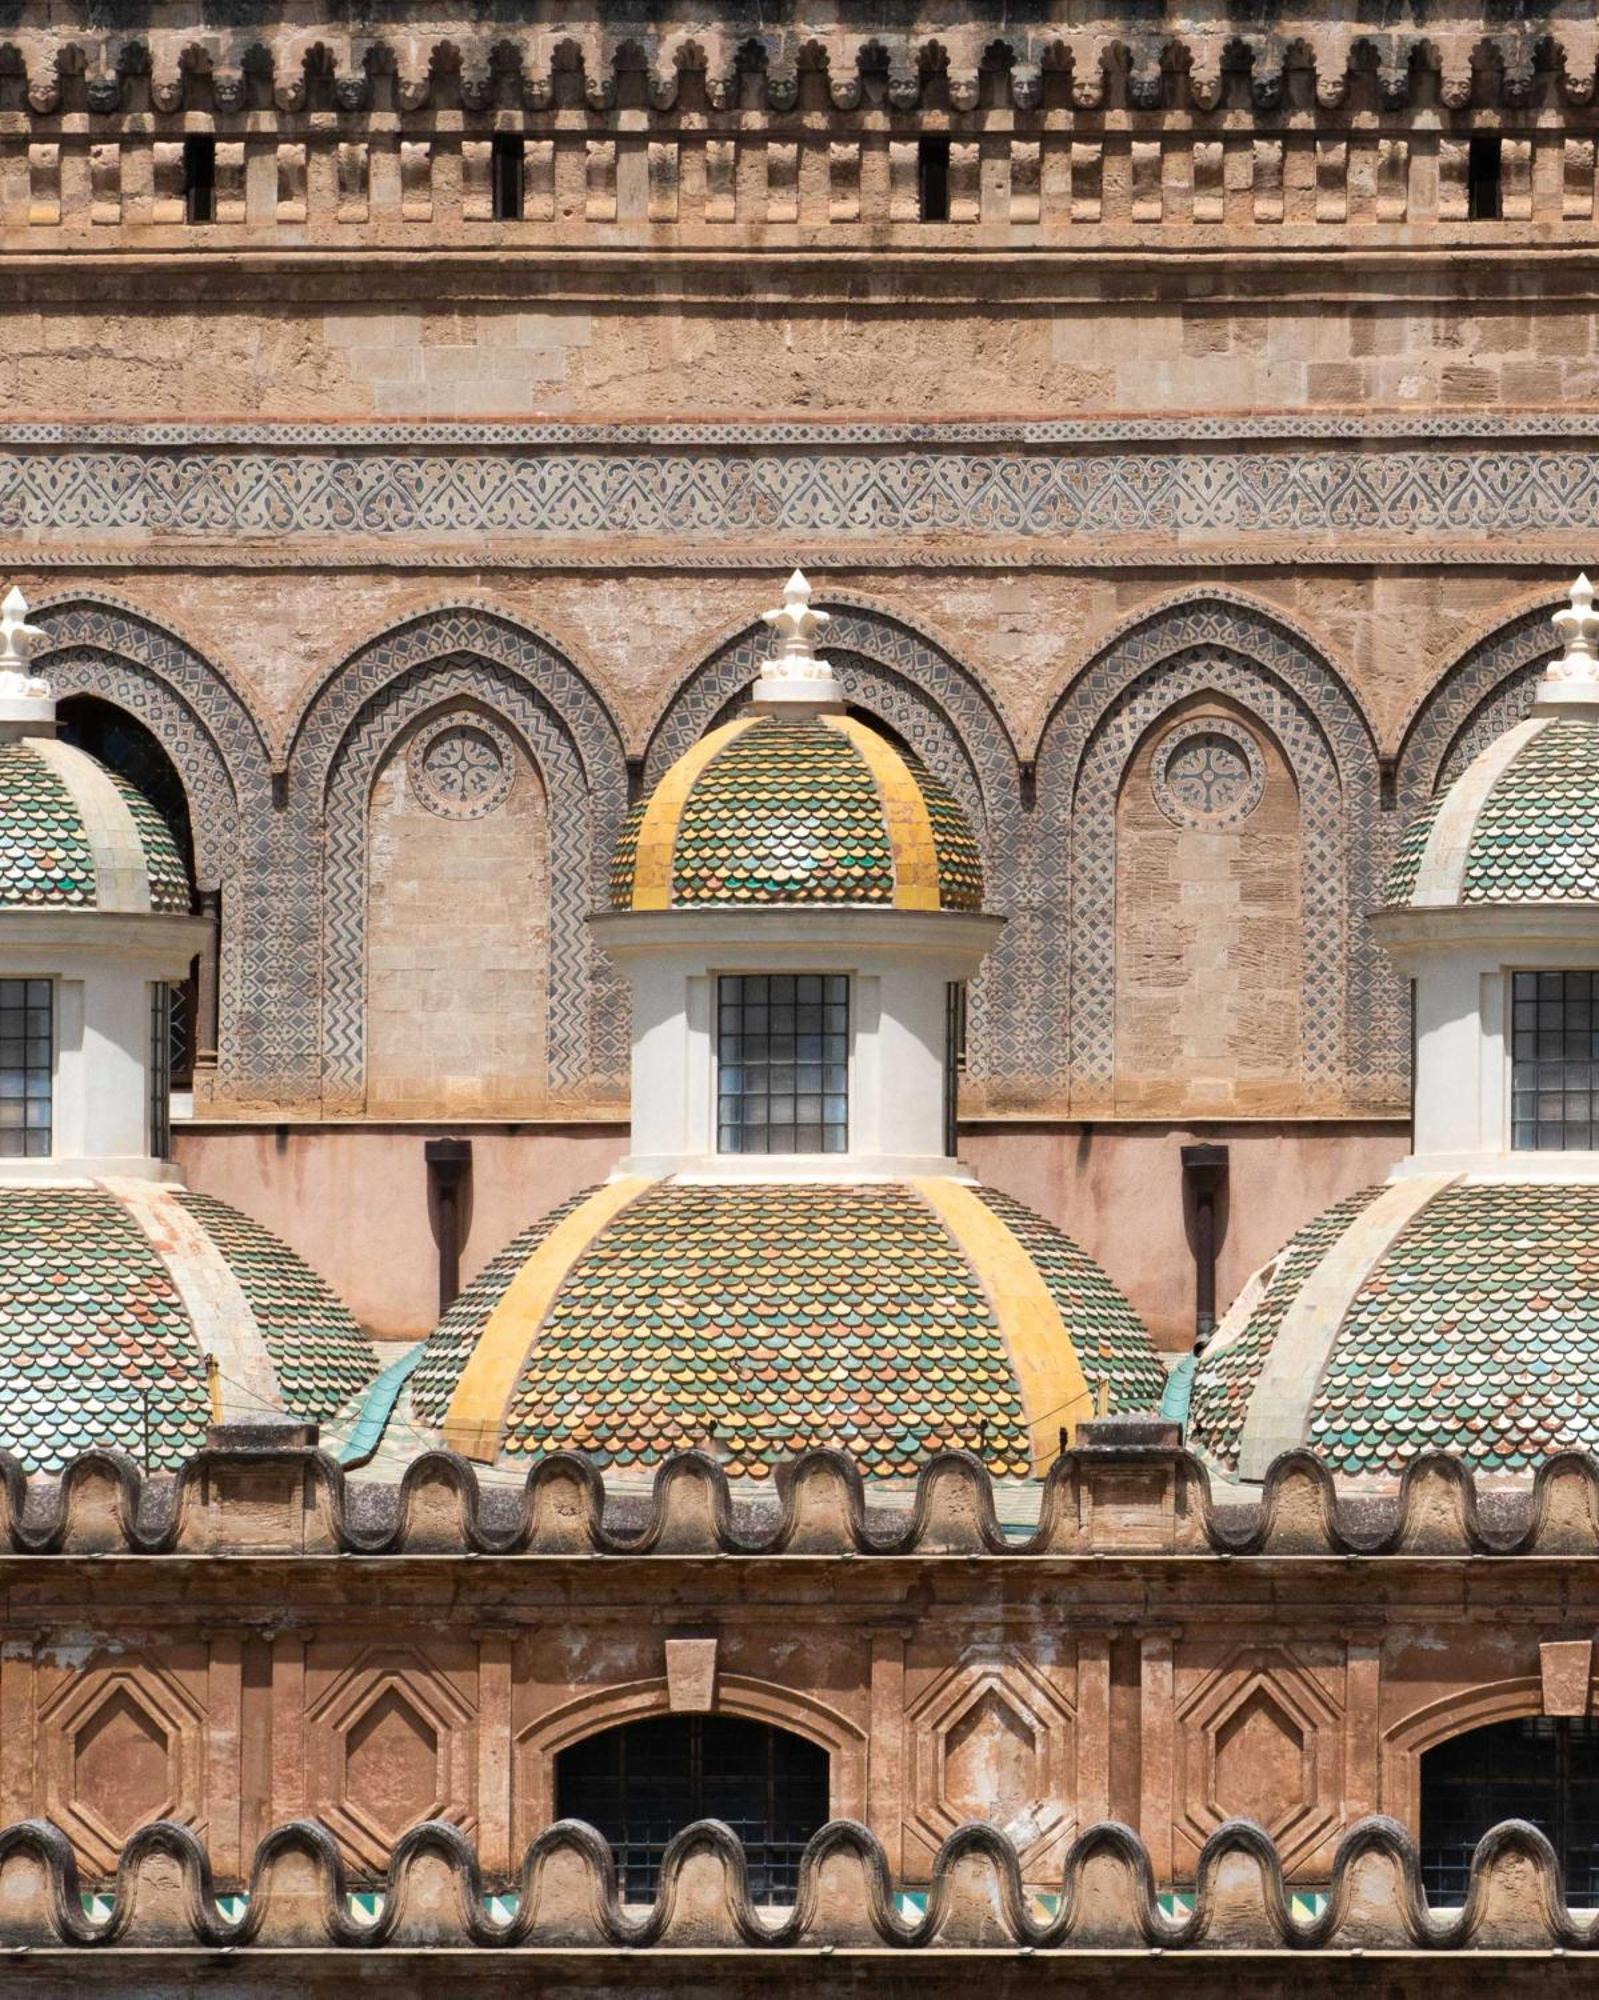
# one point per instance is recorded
(954, 1062)
(161, 1012)
(27, 1065)
(1541, 1768)
(1554, 1066)
(783, 1063)
(641, 1783)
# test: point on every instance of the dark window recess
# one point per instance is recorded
(27, 1067)
(1554, 1064)
(113, 737)
(161, 1012)
(505, 174)
(782, 1063)
(954, 1061)
(199, 180)
(639, 1784)
(1542, 1768)
(1485, 193)
(932, 180)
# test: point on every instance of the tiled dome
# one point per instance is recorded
(889, 1318)
(787, 809)
(111, 1296)
(68, 826)
(1434, 1313)
(1517, 826)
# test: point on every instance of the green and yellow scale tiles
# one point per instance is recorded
(45, 857)
(1478, 1333)
(779, 1318)
(789, 812)
(319, 1354)
(96, 1344)
(46, 860)
(96, 1347)
(1226, 1378)
(1536, 835)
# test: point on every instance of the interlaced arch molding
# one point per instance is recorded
(100, 647)
(1487, 690)
(518, 678)
(1352, 1036)
(937, 706)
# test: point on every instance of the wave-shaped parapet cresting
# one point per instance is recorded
(1135, 1501)
(566, 1896)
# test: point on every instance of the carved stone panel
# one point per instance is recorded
(1261, 1737)
(993, 1739)
(122, 1747)
(390, 1742)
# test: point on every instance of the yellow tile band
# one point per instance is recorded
(476, 1416)
(657, 834)
(905, 814)
(1055, 1392)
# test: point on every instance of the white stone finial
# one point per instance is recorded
(796, 672)
(25, 700)
(1572, 680)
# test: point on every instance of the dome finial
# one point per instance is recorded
(1572, 680)
(796, 673)
(25, 700)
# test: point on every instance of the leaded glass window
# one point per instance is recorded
(27, 1064)
(161, 997)
(1542, 1768)
(1554, 1069)
(782, 1077)
(640, 1783)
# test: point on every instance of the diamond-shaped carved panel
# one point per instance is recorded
(122, 1747)
(390, 1741)
(1260, 1737)
(993, 1739)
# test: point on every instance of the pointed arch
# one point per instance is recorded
(1486, 691)
(104, 646)
(463, 653)
(935, 704)
(1352, 1044)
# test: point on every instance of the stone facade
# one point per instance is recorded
(400, 1666)
(1239, 373)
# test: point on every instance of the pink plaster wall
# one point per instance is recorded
(352, 1199)
(1118, 1190)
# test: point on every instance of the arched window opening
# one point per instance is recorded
(1541, 1768)
(123, 744)
(641, 1783)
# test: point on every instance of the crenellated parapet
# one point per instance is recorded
(1074, 134)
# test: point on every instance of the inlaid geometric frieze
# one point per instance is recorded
(122, 1746)
(391, 1742)
(1113, 490)
(1260, 1738)
(1351, 1042)
(438, 662)
(991, 1738)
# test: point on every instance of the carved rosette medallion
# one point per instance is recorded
(462, 766)
(1208, 774)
